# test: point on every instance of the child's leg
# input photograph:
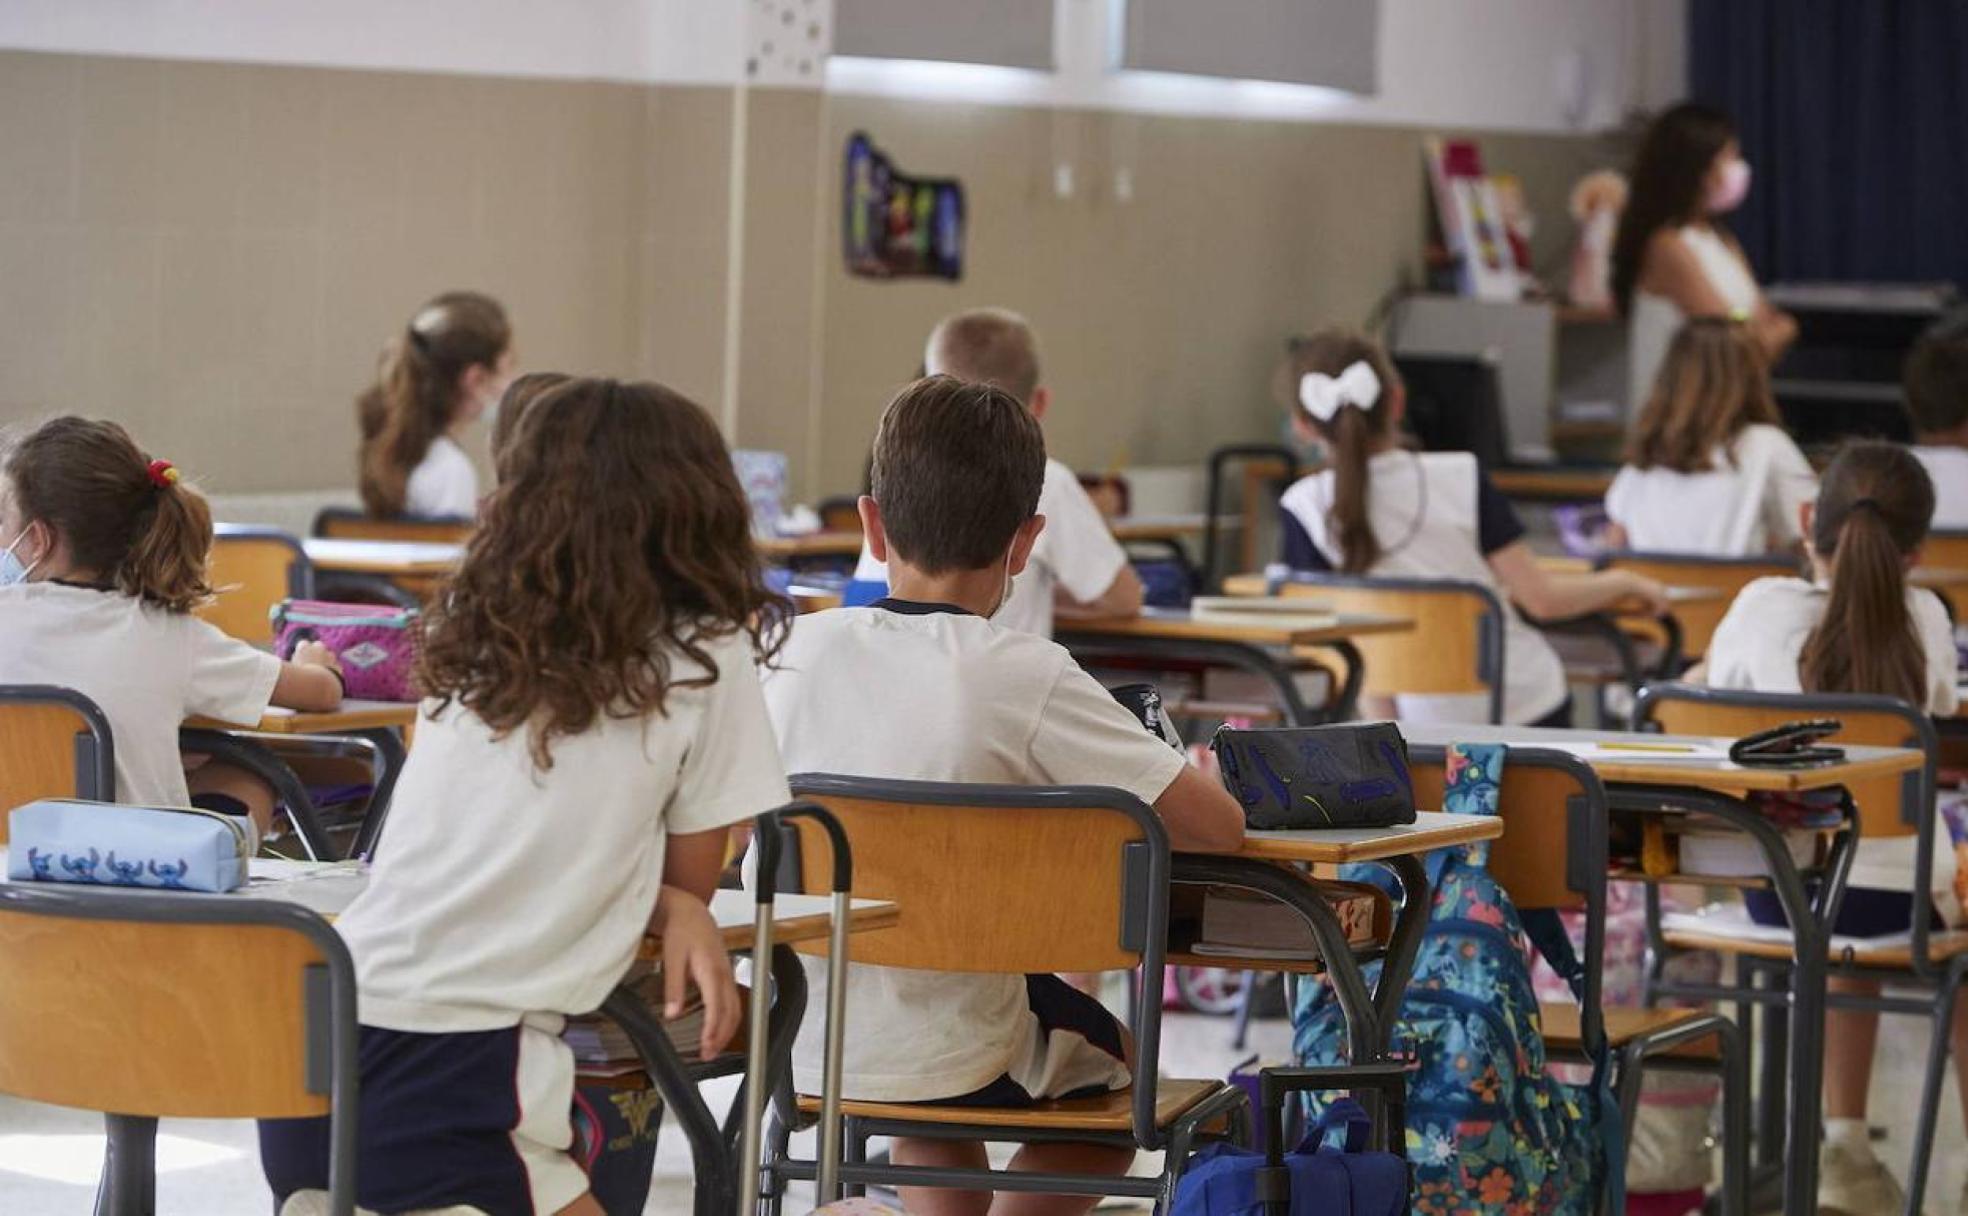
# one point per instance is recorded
(944, 1154)
(584, 1206)
(1061, 1159)
(1850, 1036)
(252, 794)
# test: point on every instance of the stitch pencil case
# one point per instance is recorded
(175, 848)
(1353, 775)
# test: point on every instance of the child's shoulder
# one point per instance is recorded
(1773, 593)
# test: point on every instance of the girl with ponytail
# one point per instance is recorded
(438, 376)
(103, 556)
(1380, 509)
(1856, 626)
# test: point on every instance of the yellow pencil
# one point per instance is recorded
(1682, 748)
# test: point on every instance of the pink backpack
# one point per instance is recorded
(376, 643)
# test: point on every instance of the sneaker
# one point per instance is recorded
(1856, 1184)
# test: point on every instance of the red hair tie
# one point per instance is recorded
(163, 474)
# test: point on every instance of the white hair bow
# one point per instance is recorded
(1324, 396)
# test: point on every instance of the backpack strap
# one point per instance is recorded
(1546, 929)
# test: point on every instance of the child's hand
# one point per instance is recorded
(693, 951)
(314, 654)
(1648, 592)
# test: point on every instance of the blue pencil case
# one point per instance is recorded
(107, 844)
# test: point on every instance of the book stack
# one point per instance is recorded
(602, 1048)
(1243, 924)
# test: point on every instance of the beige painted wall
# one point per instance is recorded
(215, 253)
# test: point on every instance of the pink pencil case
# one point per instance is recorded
(376, 643)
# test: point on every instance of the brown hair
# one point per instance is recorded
(1712, 383)
(992, 346)
(957, 470)
(513, 404)
(416, 391)
(1874, 507)
(617, 539)
(1349, 436)
(145, 534)
(1936, 378)
(1668, 172)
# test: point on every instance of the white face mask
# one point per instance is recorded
(12, 572)
(1010, 584)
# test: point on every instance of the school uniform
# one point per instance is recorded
(444, 484)
(1948, 468)
(146, 667)
(504, 898)
(1076, 553)
(1745, 504)
(1436, 516)
(931, 692)
(1757, 646)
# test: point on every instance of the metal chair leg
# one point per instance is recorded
(129, 1176)
(1245, 1002)
(1930, 1090)
(1735, 1121)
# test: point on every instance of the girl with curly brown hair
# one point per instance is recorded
(594, 726)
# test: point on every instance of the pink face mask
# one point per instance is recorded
(1729, 193)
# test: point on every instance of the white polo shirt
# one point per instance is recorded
(501, 892)
(1744, 505)
(146, 668)
(933, 693)
(1948, 467)
(1075, 553)
(443, 484)
(1757, 646)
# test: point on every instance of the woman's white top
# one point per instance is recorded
(443, 484)
(1655, 319)
(1743, 506)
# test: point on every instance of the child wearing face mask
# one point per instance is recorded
(104, 563)
(437, 377)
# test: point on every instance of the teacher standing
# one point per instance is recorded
(1673, 260)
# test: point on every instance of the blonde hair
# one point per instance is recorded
(993, 346)
(1712, 384)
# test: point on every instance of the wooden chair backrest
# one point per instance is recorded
(251, 574)
(1948, 550)
(202, 1021)
(1529, 858)
(982, 888)
(1699, 619)
(350, 525)
(42, 752)
(1880, 800)
(841, 513)
(1441, 654)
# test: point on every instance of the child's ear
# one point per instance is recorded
(871, 527)
(1022, 542)
(1302, 427)
(1807, 517)
(1397, 403)
(1041, 402)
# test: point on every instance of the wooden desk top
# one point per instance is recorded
(1938, 578)
(1431, 830)
(1553, 484)
(847, 543)
(1178, 624)
(1253, 585)
(1656, 768)
(813, 544)
(353, 715)
(1167, 527)
(385, 557)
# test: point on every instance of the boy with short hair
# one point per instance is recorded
(1077, 568)
(920, 685)
(1936, 382)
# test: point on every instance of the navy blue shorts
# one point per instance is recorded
(1081, 1053)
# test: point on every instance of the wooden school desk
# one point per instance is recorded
(1646, 781)
(418, 567)
(1270, 863)
(1174, 635)
(1555, 483)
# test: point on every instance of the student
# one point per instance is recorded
(448, 365)
(104, 560)
(1380, 509)
(594, 727)
(1936, 384)
(1856, 626)
(1077, 567)
(513, 403)
(1710, 469)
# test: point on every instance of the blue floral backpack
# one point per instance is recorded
(1490, 1131)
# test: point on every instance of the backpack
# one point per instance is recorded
(1491, 1132)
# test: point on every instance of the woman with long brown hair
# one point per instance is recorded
(450, 363)
(1709, 467)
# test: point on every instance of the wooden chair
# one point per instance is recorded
(193, 1006)
(1897, 806)
(1456, 645)
(1553, 855)
(1010, 880)
(54, 743)
(254, 569)
(1728, 575)
(349, 523)
(1268, 470)
(840, 513)
(1948, 550)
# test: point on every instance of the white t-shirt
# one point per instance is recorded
(146, 668)
(1756, 647)
(1075, 553)
(1656, 319)
(1948, 467)
(937, 694)
(503, 893)
(1424, 510)
(1745, 505)
(443, 484)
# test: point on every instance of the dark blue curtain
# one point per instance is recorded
(1854, 115)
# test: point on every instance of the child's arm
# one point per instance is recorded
(1556, 597)
(694, 955)
(1122, 598)
(312, 682)
(692, 861)
(1200, 814)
